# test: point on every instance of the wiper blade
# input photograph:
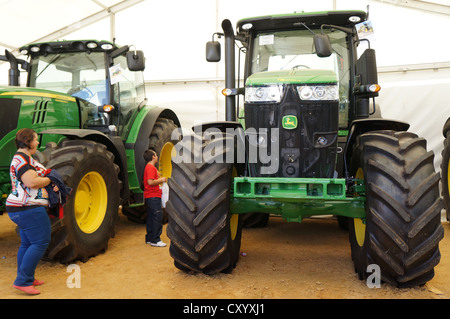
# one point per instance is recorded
(50, 63)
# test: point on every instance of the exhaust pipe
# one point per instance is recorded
(14, 70)
(230, 79)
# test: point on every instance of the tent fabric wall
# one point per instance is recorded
(421, 98)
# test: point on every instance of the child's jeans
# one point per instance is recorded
(154, 220)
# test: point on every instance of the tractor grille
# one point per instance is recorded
(309, 150)
(9, 115)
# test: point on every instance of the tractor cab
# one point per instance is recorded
(99, 75)
(301, 68)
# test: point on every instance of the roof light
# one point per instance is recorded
(354, 19)
(91, 45)
(35, 49)
(106, 46)
(247, 26)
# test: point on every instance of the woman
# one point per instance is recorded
(26, 206)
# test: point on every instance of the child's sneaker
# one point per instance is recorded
(158, 244)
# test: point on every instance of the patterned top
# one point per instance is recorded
(20, 194)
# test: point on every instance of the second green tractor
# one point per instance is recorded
(303, 144)
(86, 100)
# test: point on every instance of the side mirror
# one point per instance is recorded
(366, 69)
(323, 45)
(135, 60)
(213, 51)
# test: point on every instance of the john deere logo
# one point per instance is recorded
(289, 122)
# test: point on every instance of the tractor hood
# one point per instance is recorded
(33, 93)
(309, 76)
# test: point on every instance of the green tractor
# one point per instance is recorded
(304, 144)
(86, 100)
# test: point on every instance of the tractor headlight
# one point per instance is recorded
(318, 92)
(258, 94)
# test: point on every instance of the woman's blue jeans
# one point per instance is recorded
(154, 220)
(35, 233)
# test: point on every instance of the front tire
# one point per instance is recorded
(205, 236)
(402, 228)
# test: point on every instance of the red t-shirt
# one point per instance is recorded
(151, 172)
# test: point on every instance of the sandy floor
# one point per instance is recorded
(284, 260)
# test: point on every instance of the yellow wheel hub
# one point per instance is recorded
(360, 226)
(234, 219)
(165, 159)
(91, 200)
(448, 176)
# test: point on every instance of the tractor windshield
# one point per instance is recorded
(83, 75)
(78, 74)
(294, 49)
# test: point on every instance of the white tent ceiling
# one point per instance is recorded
(411, 42)
(27, 21)
(411, 29)
(44, 20)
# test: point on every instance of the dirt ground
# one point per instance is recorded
(285, 260)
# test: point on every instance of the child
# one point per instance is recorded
(152, 194)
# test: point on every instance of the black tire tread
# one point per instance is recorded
(199, 209)
(403, 207)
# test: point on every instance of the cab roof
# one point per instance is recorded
(311, 19)
(67, 46)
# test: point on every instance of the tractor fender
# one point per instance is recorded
(138, 137)
(446, 127)
(114, 144)
(358, 127)
(231, 127)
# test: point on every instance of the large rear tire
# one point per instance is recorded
(91, 210)
(205, 237)
(402, 229)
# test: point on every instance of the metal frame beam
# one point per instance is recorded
(104, 13)
(425, 6)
